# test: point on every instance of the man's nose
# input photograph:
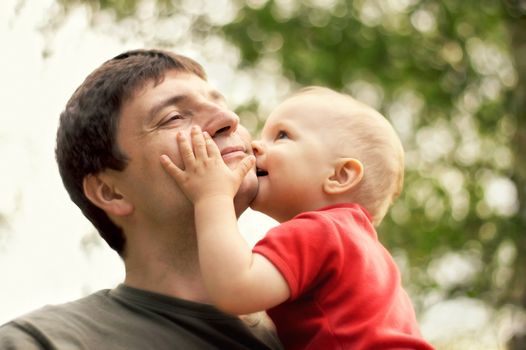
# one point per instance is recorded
(219, 120)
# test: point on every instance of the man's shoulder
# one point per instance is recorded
(132, 319)
(35, 329)
(59, 313)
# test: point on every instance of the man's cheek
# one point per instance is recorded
(245, 136)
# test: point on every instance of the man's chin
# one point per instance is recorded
(246, 193)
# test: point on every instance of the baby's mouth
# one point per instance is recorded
(261, 172)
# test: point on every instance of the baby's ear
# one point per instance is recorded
(102, 193)
(348, 172)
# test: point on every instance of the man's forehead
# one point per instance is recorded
(173, 88)
(186, 83)
(173, 79)
(172, 83)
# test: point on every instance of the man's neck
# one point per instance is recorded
(183, 287)
(167, 268)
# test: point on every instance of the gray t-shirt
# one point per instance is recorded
(129, 318)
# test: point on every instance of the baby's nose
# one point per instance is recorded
(257, 147)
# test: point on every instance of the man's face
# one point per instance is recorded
(149, 122)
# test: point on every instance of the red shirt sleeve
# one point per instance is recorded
(301, 249)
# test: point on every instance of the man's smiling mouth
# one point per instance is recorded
(233, 152)
(232, 149)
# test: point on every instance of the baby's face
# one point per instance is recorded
(293, 157)
(302, 142)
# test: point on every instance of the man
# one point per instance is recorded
(111, 135)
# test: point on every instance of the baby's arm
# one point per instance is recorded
(237, 280)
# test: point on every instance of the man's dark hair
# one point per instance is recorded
(87, 133)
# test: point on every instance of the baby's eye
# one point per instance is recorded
(282, 135)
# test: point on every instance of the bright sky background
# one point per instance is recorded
(41, 259)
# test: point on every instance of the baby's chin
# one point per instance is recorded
(258, 205)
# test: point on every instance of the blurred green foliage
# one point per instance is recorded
(451, 77)
(447, 54)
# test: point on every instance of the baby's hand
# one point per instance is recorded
(205, 174)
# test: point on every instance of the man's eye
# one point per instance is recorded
(172, 118)
(282, 135)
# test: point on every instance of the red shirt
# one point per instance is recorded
(345, 287)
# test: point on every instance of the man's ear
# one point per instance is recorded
(348, 172)
(101, 192)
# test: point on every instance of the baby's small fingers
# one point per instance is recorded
(211, 147)
(198, 143)
(185, 150)
(244, 167)
(169, 166)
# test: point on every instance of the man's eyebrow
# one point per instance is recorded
(170, 101)
(217, 95)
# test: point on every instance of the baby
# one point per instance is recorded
(329, 167)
